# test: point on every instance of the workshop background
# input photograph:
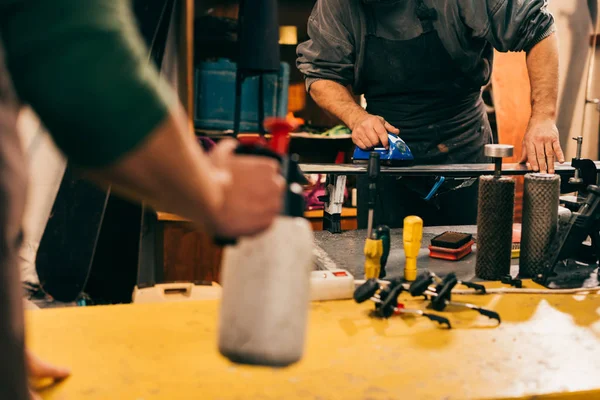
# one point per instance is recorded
(122, 279)
(194, 43)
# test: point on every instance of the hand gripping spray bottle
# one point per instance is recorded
(266, 279)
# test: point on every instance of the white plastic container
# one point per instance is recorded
(266, 295)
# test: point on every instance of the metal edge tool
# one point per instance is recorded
(573, 261)
(398, 153)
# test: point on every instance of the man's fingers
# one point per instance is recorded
(382, 134)
(531, 156)
(360, 143)
(370, 137)
(391, 128)
(41, 369)
(558, 151)
(222, 151)
(549, 157)
(34, 396)
(523, 155)
(541, 157)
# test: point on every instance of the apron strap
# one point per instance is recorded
(426, 16)
(371, 20)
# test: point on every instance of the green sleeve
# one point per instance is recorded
(84, 68)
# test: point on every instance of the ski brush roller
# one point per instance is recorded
(540, 220)
(495, 218)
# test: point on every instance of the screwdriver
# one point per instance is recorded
(383, 233)
(412, 234)
(373, 245)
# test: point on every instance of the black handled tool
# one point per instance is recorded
(383, 234)
(441, 295)
(386, 301)
(373, 170)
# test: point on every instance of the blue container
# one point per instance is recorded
(214, 106)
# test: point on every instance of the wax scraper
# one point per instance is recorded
(398, 153)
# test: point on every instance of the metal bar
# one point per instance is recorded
(448, 170)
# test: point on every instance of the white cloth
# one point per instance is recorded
(46, 169)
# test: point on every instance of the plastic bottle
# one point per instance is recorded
(266, 289)
(266, 281)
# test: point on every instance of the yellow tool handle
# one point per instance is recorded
(373, 252)
(412, 235)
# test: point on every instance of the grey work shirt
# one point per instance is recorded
(469, 29)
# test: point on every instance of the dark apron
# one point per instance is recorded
(13, 382)
(417, 87)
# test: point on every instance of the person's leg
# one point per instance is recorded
(13, 373)
(46, 169)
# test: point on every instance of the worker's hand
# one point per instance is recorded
(41, 370)
(371, 130)
(541, 146)
(252, 192)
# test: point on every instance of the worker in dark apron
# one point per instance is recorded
(421, 66)
(440, 114)
(13, 377)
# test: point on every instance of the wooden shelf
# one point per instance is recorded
(313, 214)
(167, 217)
(346, 213)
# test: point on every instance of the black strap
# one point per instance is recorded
(425, 14)
(371, 20)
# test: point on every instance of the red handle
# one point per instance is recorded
(280, 134)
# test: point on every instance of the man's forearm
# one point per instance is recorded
(542, 66)
(337, 100)
(169, 171)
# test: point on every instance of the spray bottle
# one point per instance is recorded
(266, 278)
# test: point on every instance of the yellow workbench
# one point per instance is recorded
(545, 345)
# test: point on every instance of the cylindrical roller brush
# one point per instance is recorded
(495, 219)
(540, 218)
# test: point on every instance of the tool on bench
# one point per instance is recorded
(383, 234)
(427, 279)
(266, 282)
(452, 246)
(540, 220)
(573, 262)
(441, 295)
(412, 236)
(495, 218)
(386, 301)
(586, 174)
(373, 248)
(335, 284)
(509, 280)
(398, 153)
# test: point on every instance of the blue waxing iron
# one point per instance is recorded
(398, 153)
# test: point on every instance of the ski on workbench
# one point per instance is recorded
(453, 170)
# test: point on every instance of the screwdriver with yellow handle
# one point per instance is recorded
(374, 245)
(412, 235)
